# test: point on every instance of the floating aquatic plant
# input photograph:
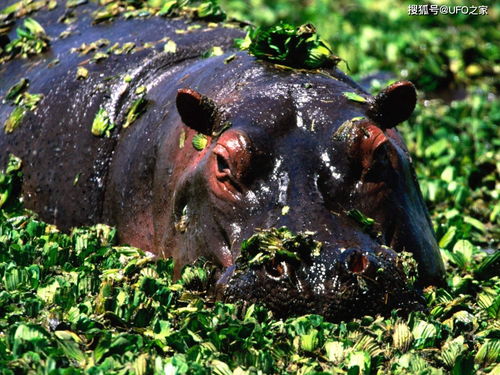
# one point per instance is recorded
(298, 47)
(268, 244)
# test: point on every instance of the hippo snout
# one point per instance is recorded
(337, 283)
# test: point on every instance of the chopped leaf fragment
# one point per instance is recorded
(137, 108)
(200, 141)
(213, 51)
(170, 47)
(82, 73)
(354, 97)
(140, 90)
(14, 119)
(31, 40)
(99, 56)
(13, 95)
(102, 125)
(366, 222)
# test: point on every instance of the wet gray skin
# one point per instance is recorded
(276, 138)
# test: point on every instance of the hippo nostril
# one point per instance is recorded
(276, 270)
(357, 262)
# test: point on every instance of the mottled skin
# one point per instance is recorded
(281, 150)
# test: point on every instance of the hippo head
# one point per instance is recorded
(299, 150)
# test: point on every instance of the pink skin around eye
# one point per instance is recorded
(375, 139)
(232, 148)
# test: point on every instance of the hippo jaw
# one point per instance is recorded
(337, 283)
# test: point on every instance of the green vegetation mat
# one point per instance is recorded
(78, 303)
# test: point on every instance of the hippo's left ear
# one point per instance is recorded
(393, 105)
(196, 110)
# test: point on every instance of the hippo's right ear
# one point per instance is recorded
(196, 110)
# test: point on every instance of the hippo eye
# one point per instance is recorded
(380, 166)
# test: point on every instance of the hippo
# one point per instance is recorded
(226, 145)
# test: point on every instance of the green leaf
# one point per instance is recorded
(137, 108)
(359, 362)
(465, 250)
(284, 44)
(82, 73)
(213, 51)
(451, 350)
(220, 368)
(15, 91)
(102, 125)
(424, 334)
(489, 267)
(402, 337)
(15, 118)
(170, 47)
(309, 341)
(366, 222)
(489, 352)
(199, 142)
(335, 351)
(448, 237)
(354, 97)
(34, 27)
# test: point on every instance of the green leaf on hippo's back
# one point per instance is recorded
(30, 101)
(137, 108)
(358, 216)
(82, 73)
(99, 56)
(34, 27)
(15, 118)
(199, 142)
(298, 47)
(15, 91)
(170, 47)
(102, 125)
(354, 97)
(14, 164)
(213, 51)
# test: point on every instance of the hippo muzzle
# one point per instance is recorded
(337, 283)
